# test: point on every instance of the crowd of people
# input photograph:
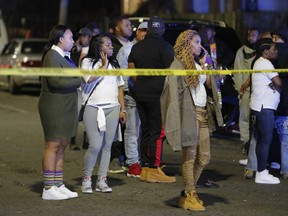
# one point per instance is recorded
(184, 110)
(267, 98)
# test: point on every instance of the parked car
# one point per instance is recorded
(21, 53)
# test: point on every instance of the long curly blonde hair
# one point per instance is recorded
(183, 52)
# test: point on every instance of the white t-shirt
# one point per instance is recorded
(84, 51)
(262, 94)
(123, 53)
(106, 93)
(199, 94)
(122, 58)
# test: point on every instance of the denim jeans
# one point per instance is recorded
(281, 124)
(252, 158)
(263, 123)
(132, 136)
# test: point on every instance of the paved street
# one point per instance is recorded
(21, 146)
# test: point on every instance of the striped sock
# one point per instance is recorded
(58, 178)
(48, 179)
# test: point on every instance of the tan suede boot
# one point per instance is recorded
(157, 175)
(183, 193)
(196, 197)
(143, 175)
(190, 202)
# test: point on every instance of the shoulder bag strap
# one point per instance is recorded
(93, 91)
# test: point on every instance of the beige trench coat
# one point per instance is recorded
(179, 112)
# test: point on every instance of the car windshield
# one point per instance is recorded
(34, 47)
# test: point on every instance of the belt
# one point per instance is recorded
(201, 108)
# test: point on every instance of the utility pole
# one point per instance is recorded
(63, 12)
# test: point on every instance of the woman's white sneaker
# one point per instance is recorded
(62, 189)
(243, 162)
(53, 194)
(265, 178)
(86, 185)
(102, 185)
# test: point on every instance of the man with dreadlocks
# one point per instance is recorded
(185, 112)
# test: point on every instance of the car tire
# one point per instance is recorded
(13, 88)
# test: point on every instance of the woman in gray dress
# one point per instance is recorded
(58, 112)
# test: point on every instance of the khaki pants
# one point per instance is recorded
(196, 157)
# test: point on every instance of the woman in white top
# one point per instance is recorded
(264, 101)
(104, 108)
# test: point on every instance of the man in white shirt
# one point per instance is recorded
(132, 131)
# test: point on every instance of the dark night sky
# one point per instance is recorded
(41, 15)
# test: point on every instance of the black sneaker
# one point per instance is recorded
(211, 184)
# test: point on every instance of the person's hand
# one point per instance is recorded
(104, 60)
(202, 60)
(122, 117)
(244, 86)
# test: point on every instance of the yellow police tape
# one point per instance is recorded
(119, 72)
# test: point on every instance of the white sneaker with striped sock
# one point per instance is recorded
(53, 194)
(66, 191)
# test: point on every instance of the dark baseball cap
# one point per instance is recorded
(283, 33)
(85, 32)
(156, 25)
(263, 43)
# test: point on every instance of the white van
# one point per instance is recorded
(3, 33)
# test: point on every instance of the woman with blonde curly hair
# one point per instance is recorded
(185, 112)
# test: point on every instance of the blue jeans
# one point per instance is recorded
(263, 123)
(132, 136)
(281, 123)
(252, 158)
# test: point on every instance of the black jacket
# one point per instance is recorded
(282, 62)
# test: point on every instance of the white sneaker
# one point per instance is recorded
(53, 194)
(86, 185)
(62, 189)
(102, 185)
(243, 162)
(265, 178)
